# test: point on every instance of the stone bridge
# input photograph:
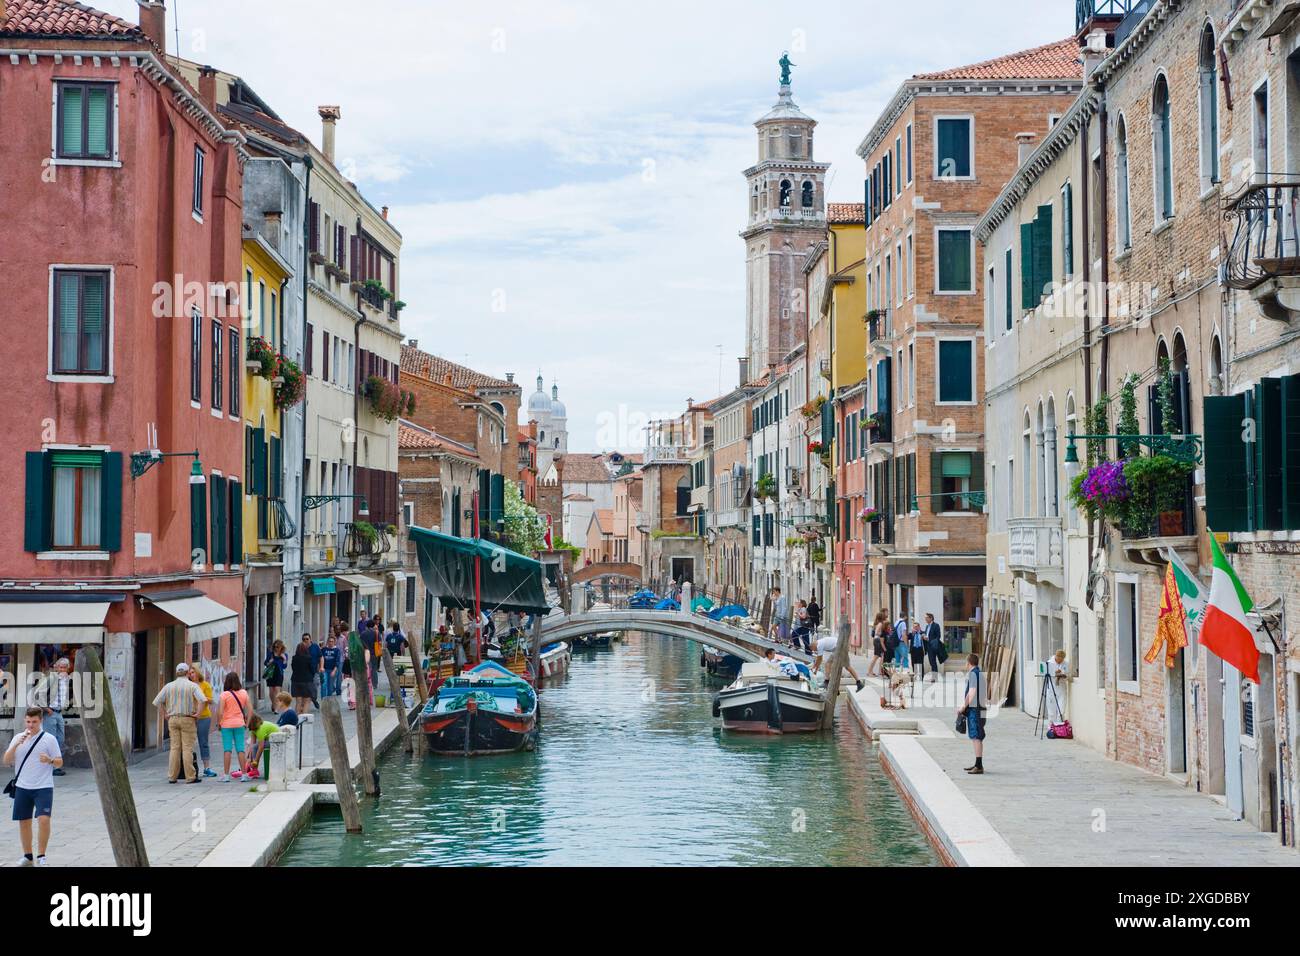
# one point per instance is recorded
(606, 569)
(746, 645)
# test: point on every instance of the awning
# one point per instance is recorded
(322, 586)
(508, 580)
(363, 583)
(54, 622)
(203, 617)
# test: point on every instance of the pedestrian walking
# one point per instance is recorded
(203, 723)
(302, 676)
(273, 668)
(181, 701)
(898, 649)
(801, 631)
(395, 640)
(233, 709)
(814, 614)
(879, 631)
(934, 648)
(331, 667)
(32, 787)
(974, 704)
(317, 669)
(58, 698)
(781, 616)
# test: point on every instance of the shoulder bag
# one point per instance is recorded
(11, 788)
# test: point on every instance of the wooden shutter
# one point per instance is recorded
(1027, 299)
(36, 503)
(236, 498)
(1067, 227)
(214, 517)
(1269, 436)
(936, 480)
(498, 499)
(110, 502)
(1290, 403)
(257, 480)
(309, 350)
(275, 480)
(1042, 252)
(325, 355)
(455, 512)
(1226, 485)
(313, 220)
(977, 471)
(199, 524)
(358, 264)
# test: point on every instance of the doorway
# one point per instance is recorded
(683, 569)
(139, 690)
(1176, 713)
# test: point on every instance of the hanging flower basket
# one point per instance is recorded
(870, 514)
(386, 400)
(290, 383)
(816, 447)
(259, 357)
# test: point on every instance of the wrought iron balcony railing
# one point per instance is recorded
(280, 524)
(878, 326)
(1265, 241)
(1085, 11)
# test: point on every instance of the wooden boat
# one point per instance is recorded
(589, 641)
(766, 699)
(486, 710)
(554, 659)
(719, 664)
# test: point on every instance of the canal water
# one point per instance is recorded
(632, 769)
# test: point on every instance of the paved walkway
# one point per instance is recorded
(181, 823)
(1061, 803)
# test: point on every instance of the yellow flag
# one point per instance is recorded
(1171, 625)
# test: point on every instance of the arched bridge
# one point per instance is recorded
(606, 569)
(746, 645)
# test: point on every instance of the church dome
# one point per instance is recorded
(557, 407)
(538, 403)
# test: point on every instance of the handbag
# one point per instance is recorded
(961, 722)
(270, 670)
(1061, 731)
(11, 788)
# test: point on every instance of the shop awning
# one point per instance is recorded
(362, 582)
(54, 622)
(203, 617)
(322, 586)
(508, 580)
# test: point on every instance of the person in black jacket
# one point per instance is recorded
(814, 613)
(302, 674)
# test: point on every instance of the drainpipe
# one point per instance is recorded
(1103, 366)
(306, 272)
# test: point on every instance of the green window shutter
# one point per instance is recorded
(499, 498)
(236, 522)
(1268, 454)
(1027, 300)
(911, 482)
(93, 322)
(455, 513)
(1042, 252)
(71, 120)
(97, 119)
(1225, 464)
(1010, 295)
(954, 147)
(68, 344)
(36, 502)
(954, 260)
(275, 480)
(199, 524)
(830, 503)
(1291, 452)
(215, 492)
(257, 480)
(936, 479)
(955, 382)
(1068, 230)
(110, 502)
(756, 531)
(977, 471)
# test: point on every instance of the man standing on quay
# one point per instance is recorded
(182, 701)
(34, 783)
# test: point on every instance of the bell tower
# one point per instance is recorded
(787, 217)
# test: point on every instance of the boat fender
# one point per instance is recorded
(717, 708)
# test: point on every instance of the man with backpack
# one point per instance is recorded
(894, 640)
(32, 788)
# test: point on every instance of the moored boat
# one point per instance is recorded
(719, 664)
(770, 699)
(600, 639)
(486, 710)
(554, 659)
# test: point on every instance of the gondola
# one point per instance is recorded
(719, 664)
(770, 699)
(591, 641)
(486, 710)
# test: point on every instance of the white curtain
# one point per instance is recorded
(65, 503)
(90, 516)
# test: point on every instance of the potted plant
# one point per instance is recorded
(377, 287)
(260, 358)
(1157, 486)
(356, 286)
(365, 531)
(291, 383)
(317, 258)
(875, 314)
(386, 400)
(1102, 491)
(765, 487)
(816, 447)
(870, 514)
(399, 305)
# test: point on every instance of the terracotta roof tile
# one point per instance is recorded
(62, 18)
(605, 520)
(415, 439)
(846, 212)
(1052, 61)
(436, 369)
(585, 468)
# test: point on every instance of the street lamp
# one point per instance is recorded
(1185, 448)
(312, 502)
(142, 461)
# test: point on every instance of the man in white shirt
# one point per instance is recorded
(825, 651)
(35, 755)
(58, 698)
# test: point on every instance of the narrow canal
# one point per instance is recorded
(632, 769)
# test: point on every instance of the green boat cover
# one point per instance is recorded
(701, 602)
(508, 580)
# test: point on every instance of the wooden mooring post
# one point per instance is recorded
(332, 720)
(365, 700)
(108, 761)
(837, 662)
(395, 690)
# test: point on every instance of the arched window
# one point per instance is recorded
(1209, 80)
(1027, 456)
(1163, 140)
(785, 194)
(807, 194)
(1051, 458)
(1216, 383)
(1123, 222)
(1040, 439)
(753, 201)
(1071, 428)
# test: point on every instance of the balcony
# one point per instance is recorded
(1037, 547)
(880, 329)
(666, 454)
(1088, 12)
(1264, 255)
(363, 540)
(275, 525)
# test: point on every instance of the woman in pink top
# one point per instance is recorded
(234, 709)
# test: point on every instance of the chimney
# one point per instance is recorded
(271, 220)
(744, 371)
(413, 343)
(208, 87)
(510, 376)
(1093, 52)
(384, 212)
(329, 116)
(1027, 142)
(153, 22)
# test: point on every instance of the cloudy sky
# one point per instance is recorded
(567, 175)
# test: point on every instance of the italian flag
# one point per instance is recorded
(1224, 629)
